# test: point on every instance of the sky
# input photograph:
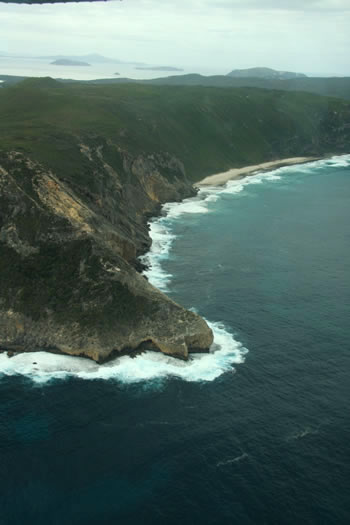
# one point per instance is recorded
(193, 34)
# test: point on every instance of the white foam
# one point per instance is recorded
(42, 367)
(192, 205)
(161, 227)
(162, 236)
(162, 240)
(339, 163)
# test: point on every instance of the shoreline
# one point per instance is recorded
(219, 179)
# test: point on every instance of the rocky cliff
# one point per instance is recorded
(69, 256)
(83, 168)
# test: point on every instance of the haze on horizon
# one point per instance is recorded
(197, 34)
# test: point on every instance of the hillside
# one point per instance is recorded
(332, 87)
(209, 129)
(83, 167)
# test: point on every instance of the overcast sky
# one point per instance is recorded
(230, 34)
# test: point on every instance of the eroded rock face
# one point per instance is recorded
(68, 259)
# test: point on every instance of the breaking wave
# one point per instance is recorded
(42, 367)
(161, 227)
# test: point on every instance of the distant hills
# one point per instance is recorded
(328, 86)
(333, 87)
(91, 58)
(265, 73)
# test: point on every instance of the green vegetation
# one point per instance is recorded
(208, 129)
(49, 282)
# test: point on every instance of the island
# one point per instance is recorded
(68, 62)
(264, 73)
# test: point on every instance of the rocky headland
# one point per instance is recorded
(69, 267)
(83, 169)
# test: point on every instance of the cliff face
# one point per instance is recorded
(68, 256)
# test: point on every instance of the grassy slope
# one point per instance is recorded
(209, 129)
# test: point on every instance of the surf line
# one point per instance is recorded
(209, 190)
(219, 179)
(225, 349)
(43, 367)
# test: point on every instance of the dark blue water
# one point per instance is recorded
(267, 444)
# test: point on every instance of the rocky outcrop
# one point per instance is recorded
(69, 257)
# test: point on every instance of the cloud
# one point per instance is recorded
(308, 36)
(290, 5)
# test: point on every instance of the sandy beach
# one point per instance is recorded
(219, 179)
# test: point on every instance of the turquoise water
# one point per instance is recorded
(255, 432)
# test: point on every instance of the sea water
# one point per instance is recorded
(256, 431)
(43, 67)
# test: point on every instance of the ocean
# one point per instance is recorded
(42, 67)
(257, 431)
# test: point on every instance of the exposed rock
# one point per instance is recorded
(68, 281)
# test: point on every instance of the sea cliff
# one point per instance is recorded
(82, 170)
(68, 261)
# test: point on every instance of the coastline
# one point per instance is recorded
(44, 366)
(219, 179)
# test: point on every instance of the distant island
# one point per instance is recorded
(68, 62)
(158, 68)
(92, 58)
(265, 73)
